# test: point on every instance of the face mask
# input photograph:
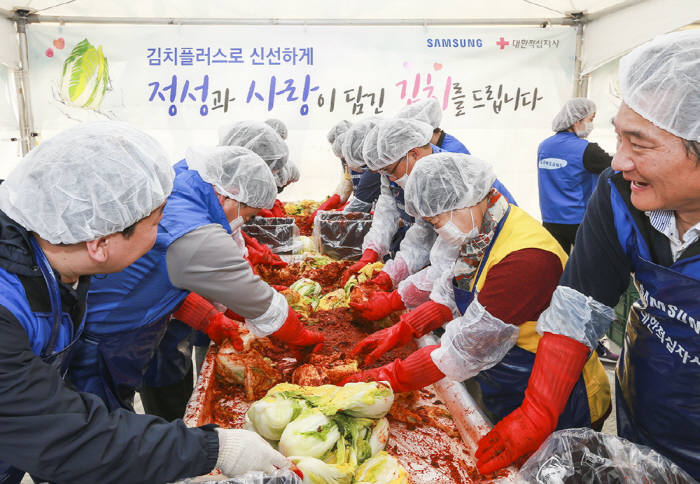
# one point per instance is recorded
(401, 181)
(237, 222)
(588, 127)
(452, 235)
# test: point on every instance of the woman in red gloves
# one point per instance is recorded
(215, 190)
(502, 279)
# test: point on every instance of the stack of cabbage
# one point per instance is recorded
(335, 435)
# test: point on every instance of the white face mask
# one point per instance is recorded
(237, 222)
(452, 235)
(588, 127)
(402, 181)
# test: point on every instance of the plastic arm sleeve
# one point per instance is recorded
(357, 205)
(473, 342)
(416, 245)
(443, 291)
(577, 316)
(207, 261)
(385, 222)
(272, 319)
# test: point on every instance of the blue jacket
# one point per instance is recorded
(564, 184)
(54, 432)
(449, 143)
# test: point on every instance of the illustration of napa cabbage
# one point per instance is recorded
(85, 76)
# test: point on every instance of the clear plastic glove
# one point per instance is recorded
(378, 305)
(558, 365)
(241, 451)
(368, 256)
(415, 372)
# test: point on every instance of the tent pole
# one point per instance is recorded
(21, 75)
(580, 82)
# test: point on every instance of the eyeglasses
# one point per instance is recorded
(390, 172)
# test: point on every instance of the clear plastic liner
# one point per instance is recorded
(279, 233)
(584, 456)
(282, 476)
(339, 235)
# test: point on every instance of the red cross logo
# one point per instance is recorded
(502, 43)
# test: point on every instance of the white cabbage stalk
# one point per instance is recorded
(270, 415)
(380, 436)
(316, 471)
(381, 469)
(311, 434)
(85, 76)
(361, 399)
(306, 287)
(353, 446)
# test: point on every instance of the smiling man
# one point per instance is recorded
(644, 218)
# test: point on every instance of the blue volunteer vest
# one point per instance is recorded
(52, 335)
(129, 311)
(564, 184)
(453, 145)
(658, 373)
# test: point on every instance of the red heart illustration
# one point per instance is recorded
(437, 66)
(59, 43)
(49, 52)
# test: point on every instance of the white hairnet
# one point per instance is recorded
(86, 182)
(370, 155)
(447, 181)
(428, 110)
(337, 145)
(573, 111)
(396, 137)
(259, 138)
(339, 128)
(279, 127)
(288, 174)
(236, 172)
(660, 80)
(353, 140)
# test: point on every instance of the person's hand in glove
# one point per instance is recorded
(383, 281)
(259, 253)
(329, 204)
(368, 256)
(378, 305)
(241, 451)
(414, 324)
(296, 335)
(201, 315)
(415, 372)
(558, 364)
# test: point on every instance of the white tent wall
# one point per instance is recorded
(9, 130)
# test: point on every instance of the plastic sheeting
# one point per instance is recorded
(584, 456)
(280, 234)
(282, 476)
(339, 235)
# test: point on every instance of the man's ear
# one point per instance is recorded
(98, 249)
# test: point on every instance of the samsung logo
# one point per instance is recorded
(454, 42)
(552, 163)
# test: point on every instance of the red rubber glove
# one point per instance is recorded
(201, 315)
(380, 304)
(278, 209)
(265, 213)
(368, 256)
(278, 287)
(415, 372)
(383, 280)
(329, 204)
(295, 334)
(425, 318)
(259, 253)
(558, 365)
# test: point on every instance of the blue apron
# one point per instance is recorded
(503, 385)
(129, 311)
(57, 321)
(658, 374)
(355, 177)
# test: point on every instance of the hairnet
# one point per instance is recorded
(428, 111)
(235, 172)
(369, 147)
(86, 182)
(573, 111)
(288, 174)
(339, 128)
(279, 127)
(337, 145)
(353, 140)
(396, 137)
(260, 139)
(447, 181)
(660, 80)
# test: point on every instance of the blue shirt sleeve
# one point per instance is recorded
(368, 188)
